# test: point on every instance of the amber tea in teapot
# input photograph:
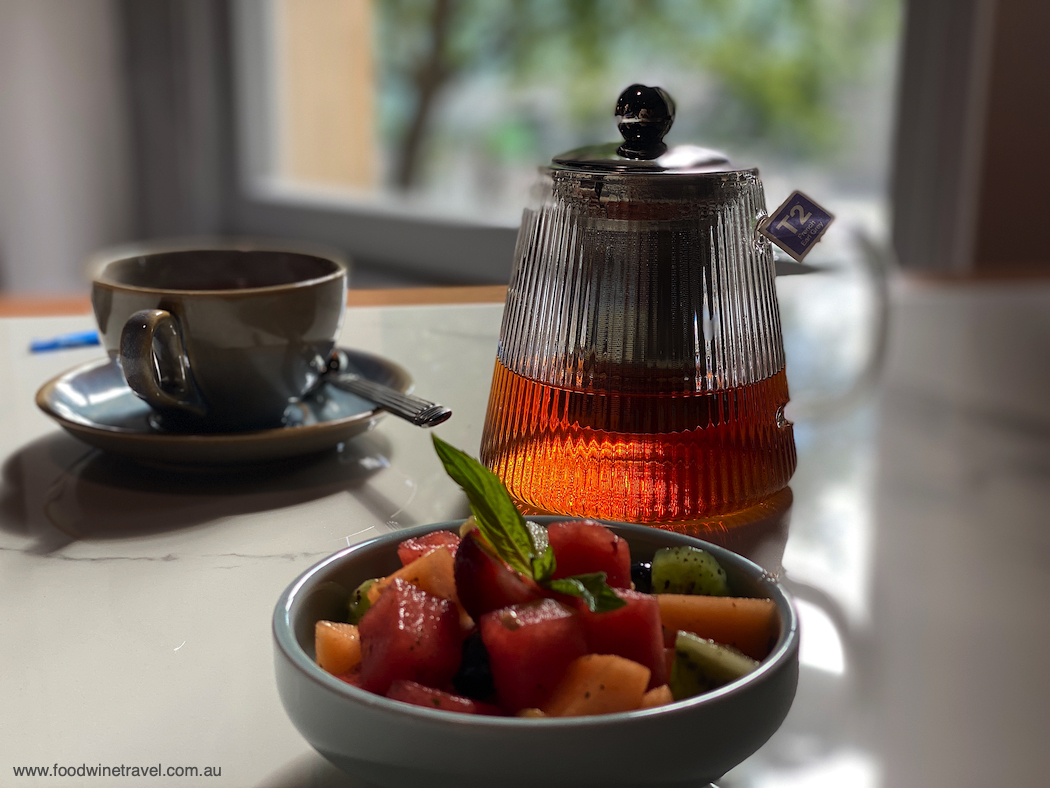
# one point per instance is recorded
(640, 457)
(640, 369)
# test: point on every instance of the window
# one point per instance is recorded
(408, 131)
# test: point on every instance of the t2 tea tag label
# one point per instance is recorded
(797, 225)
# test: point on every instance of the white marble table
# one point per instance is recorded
(136, 604)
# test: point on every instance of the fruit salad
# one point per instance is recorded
(506, 617)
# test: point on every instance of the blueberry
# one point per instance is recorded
(474, 679)
(642, 576)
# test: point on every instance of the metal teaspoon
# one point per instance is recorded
(420, 412)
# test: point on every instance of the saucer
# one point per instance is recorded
(93, 403)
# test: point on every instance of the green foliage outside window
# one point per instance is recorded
(776, 67)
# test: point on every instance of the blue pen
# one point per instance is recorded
(76, 339)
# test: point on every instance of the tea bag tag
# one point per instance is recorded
(796, 225)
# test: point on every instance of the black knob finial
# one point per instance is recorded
(643, 116)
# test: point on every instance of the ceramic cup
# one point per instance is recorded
(220, 339)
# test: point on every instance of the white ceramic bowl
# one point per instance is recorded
(690, 742)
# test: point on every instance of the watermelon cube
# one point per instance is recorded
(484, 583)
(352, 676)
(584, 546)
(409, 634)
(530, 648)
(633, 631)
(418, 546)
(430, 698)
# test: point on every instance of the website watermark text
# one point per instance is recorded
(120, 770)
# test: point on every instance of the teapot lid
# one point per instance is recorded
(643, 116)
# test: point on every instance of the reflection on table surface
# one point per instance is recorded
(136, 601)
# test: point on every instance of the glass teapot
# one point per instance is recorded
(640, 369)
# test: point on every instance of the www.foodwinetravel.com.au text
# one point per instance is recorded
(121, 770)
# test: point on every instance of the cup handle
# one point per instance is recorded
(155, 364)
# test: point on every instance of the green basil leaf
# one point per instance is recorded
(592, 588)
(498, 518)
(543, 566)
(522, 545)
(543, 563)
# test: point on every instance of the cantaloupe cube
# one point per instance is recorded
(432, 572)
(748, 625)
(337, 645)
(598, 684)
(657, 696)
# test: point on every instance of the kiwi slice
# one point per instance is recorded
(688, 570)
(359, 602)
(702, 665)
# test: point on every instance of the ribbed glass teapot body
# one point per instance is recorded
(640, 368)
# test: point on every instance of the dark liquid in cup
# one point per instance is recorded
(653, 458)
